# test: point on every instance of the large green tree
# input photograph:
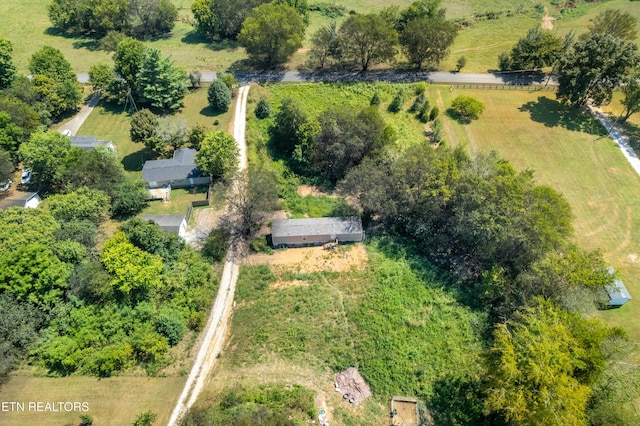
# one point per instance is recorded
(161, 83)
(368, 40)
(127, 61)
(616, 23)
(631, 91)
(6, 166)
(218, 155)
(7, 68)
(10, 134)
(268, 43)
(537, 49)
(427, 40)
(325, 45)
(82, 204)
(593, 68)
(45, 153)
(151, 18)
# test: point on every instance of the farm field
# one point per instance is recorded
(571, 153)
(112, 401)
(481, 43)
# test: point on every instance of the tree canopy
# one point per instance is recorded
(537, 49)
(218, 155)
(45, 153)
(161, 84)
(7, 68)
(268, 43)
(368, 40)
(427, 40)
(616, 23)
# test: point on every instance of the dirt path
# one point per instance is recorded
(216, 328)
(547, 20)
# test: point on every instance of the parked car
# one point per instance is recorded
(66, 132)
(5, 185)
(26, 177)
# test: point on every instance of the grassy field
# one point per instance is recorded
(481, 43)
(301, 323)
(569, 152)
(112, 401)
(179, 202)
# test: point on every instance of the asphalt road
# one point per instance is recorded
(371, 76)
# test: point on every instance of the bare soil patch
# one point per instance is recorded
(312, 259)
(304, 190)
(404, 412)
(547, 22)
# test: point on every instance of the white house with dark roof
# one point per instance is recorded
(88, 143)
(178, 172)
(170, 223)
(28, 200)
(315, 231)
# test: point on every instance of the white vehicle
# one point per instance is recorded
(66, 132)
(26, 177)
(5, 185)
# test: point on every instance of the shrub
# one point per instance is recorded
(434, 113)
(397, 103)
(375, 99)
(170, 324)
(86, 420)
(423, 114)
(462, 61)
(215, 247)
(144, 125)
(259, 245)
(219, 96)
(467, 108)
(263, 109)
(418, 103)
(420, 87)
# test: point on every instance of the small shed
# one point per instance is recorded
(88, 143)
(315, 231)
(170, 223)
(618, 294)
(29, 200)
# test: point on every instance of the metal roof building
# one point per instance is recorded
(87, 143)
(180, 171)
(175, 223)
(21, 199)
(316, 231)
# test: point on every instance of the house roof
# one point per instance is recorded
(316, 226)
(18, 199)
(89, 142)
(181, 166)
(168, 222)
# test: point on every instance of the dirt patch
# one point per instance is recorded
(547, 21)
(204, 221)
(312, 259)
(404, 412)
(304, 190)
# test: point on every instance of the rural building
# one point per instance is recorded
(618, 294)
(21, 199)
(178, 172)
(316, 231)
(87, 143)
(170, 223)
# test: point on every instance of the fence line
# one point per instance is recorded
(198, 203)
(523, 87)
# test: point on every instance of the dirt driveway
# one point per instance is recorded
(312, 259)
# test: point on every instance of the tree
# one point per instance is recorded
(7, 68)
(45, 154)
(537, 49)
(22, 113)
(127, 61)
(205, 18)
(219, 96)
(147, 418)
(263, 109)
(101, 76)
(6, 166)
(161, 83)
(367, 40)
(461, 63)
(325, 44)
(196, 135)
(631, 90)
(20, 227)
(268, 43)
(82, 204)
(255, 196)
(593, 68)
(153, 17)
(427, 40)
(418, 10)
(128, 197)
(346, 137)
(218, 155)
(144, 128)
(134, 272)
(148, 236)
(51, 62)
(467, 107)
(109, 43)
(615, 23)
(98, 169)
(10, 135)
(537, 366)
(288, 124)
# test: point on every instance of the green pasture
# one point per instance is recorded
(569, 151)
(111, 401)
(27, 26)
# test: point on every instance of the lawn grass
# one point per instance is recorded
(568, 151)
(112, 401)
(179, 202)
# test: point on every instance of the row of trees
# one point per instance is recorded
(138, 18)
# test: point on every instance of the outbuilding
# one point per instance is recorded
(618, 294)
(27, 200)
(170, 223)
(89, 143)
(315, 231)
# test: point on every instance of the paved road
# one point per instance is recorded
(371, 76)
(216, 328)
(76, 122)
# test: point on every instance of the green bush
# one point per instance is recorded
(170, 324)
(467, 107)
(375, 99)
(219, 96)
(420, 88)
(263, 109)
(215, 247)
(423, 114)
(418, 103)
(259, 245)
(434, 113)
(398, 102)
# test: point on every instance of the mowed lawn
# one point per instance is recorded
(112, 401)
(569, 152)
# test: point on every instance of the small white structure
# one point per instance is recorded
(618, 293)
(175, 223)
(28, 200)
(88, 143)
